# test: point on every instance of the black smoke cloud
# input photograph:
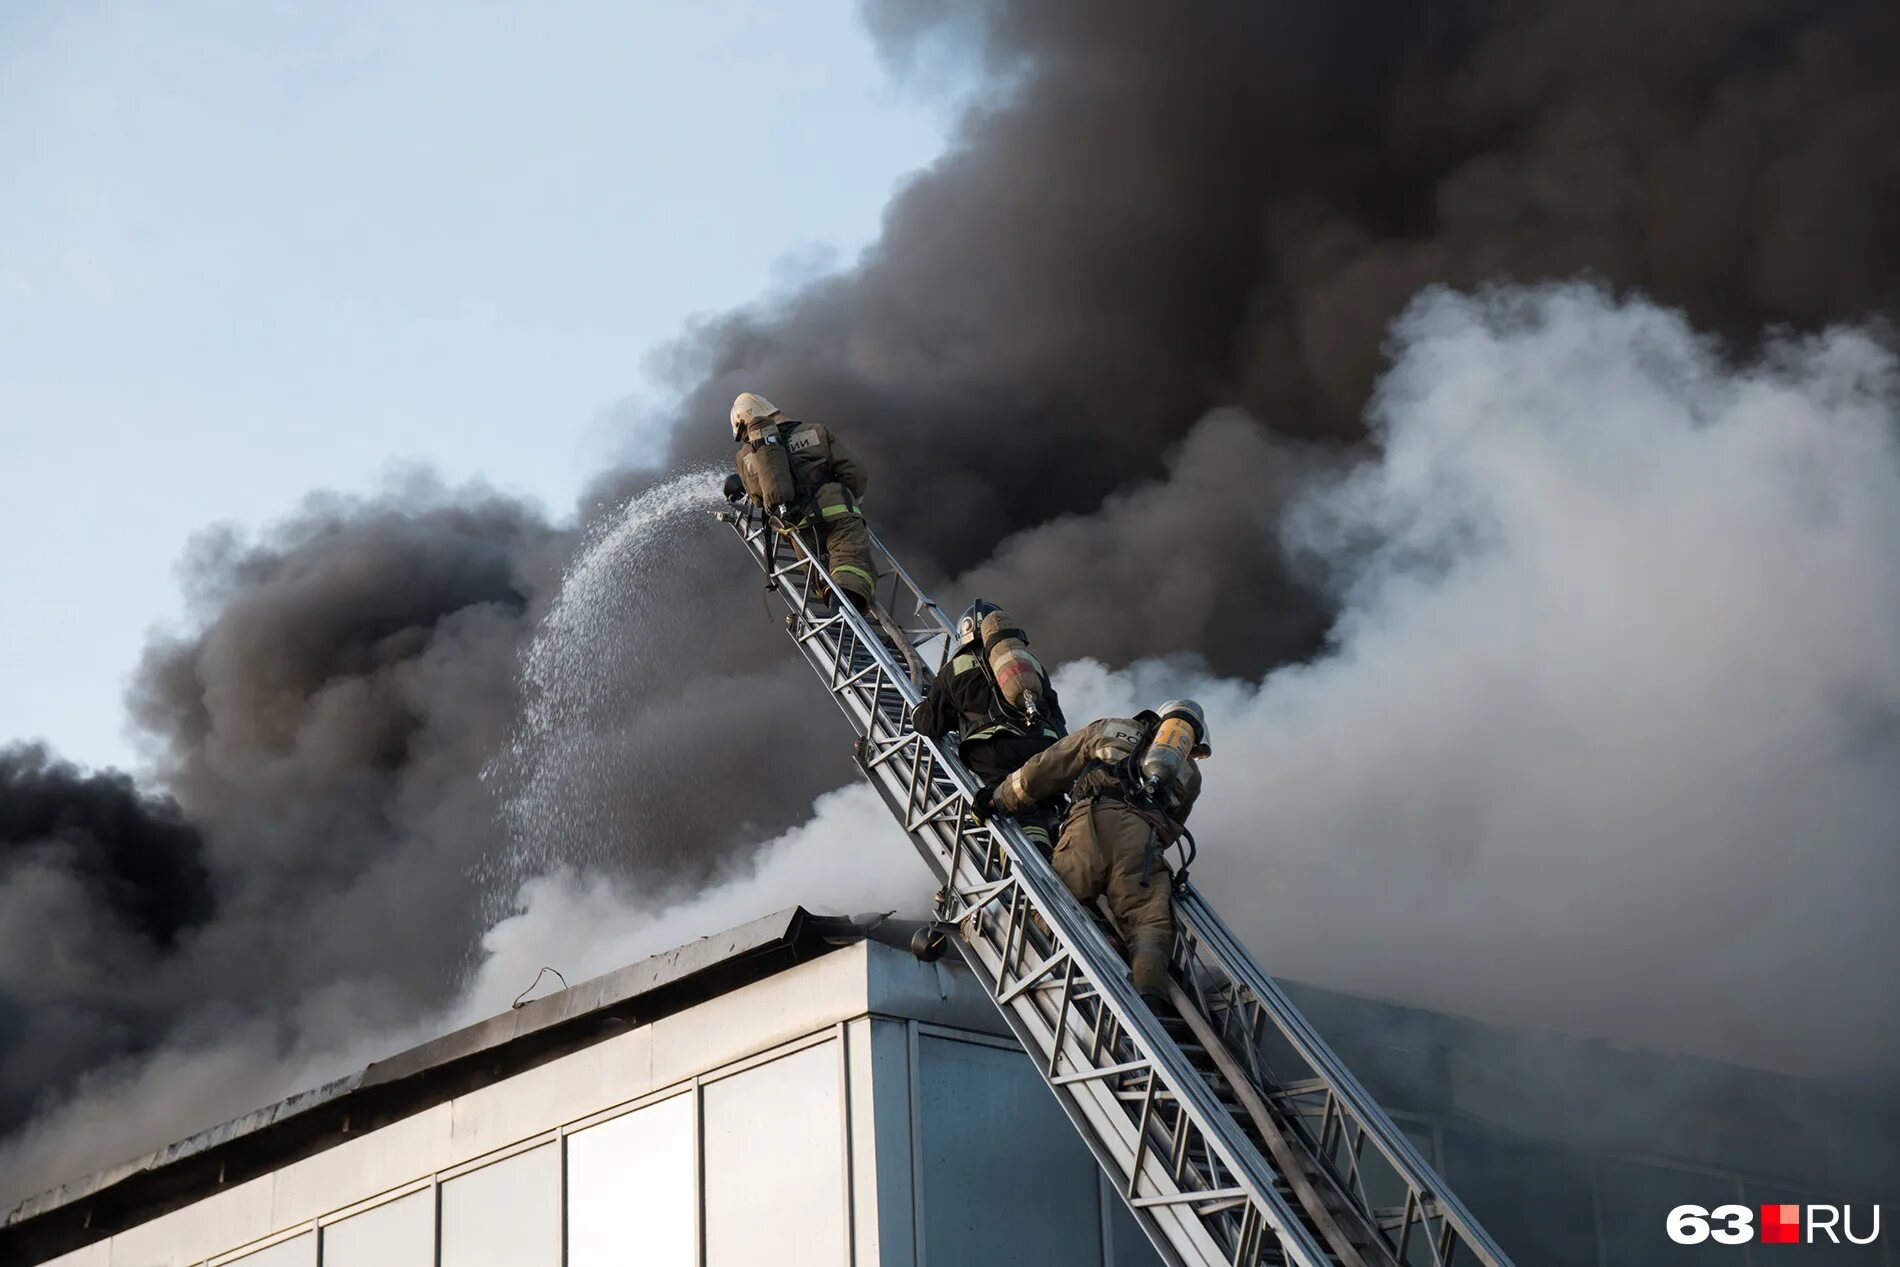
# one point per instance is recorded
(1174, 208)
(1148, 213)
(97, 880)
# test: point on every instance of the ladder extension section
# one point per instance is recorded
(1190, 1135)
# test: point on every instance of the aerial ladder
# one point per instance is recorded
(1233, 1132)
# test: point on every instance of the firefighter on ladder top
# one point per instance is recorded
(802, 474)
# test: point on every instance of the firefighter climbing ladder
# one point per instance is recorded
(1235, 1134)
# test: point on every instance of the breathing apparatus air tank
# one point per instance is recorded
(763, 461)
(1016, 671)
(768, 468)
(1180, 735)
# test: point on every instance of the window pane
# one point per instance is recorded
(505, 1215)
(298, 1251)
(1129, 1246)
(1534, 1201)
(1636, 1201)
(399, 1234)
(775, 1164)
(1383, 1186)
(630, 1197)
(1006, 1178)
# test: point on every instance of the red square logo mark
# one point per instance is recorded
(1780, 1224)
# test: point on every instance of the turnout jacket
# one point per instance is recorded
(1088, 764)
(962, 698)
(818, 457)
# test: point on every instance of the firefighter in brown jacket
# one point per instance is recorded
(1131, 783)
(801, 471)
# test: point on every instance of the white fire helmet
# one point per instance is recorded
(748, 407)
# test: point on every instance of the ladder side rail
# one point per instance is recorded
(1199, 918)
(1039, 894)
(852, 699)
(922, 604)
(1349, 1097)
(1102, 1119)
(1004, 966)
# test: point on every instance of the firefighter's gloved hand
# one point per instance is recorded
(735, 487)
(985, 802)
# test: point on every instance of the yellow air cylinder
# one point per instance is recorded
(1169, 752)
(766, 465)
(1017, 672)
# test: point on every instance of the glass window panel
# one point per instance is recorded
(630, 1198)
(298, 1251)
(1006, 1180)
(1383, 1185)
(505, 1215)
(774, 1164)
(1533, 1200)
(1636, 1200)
(1129, 1246)
(400, 1233)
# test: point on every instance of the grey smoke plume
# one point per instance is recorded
(320, 728)
(1150, 213)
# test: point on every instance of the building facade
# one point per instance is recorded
(856, 1107)
(789, 1093)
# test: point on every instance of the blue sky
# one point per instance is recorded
(248, 250)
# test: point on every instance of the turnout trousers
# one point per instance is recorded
(1102, 852)
(846, 542)
(993, 757)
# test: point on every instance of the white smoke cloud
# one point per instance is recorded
(849, 858)
(1607, 738)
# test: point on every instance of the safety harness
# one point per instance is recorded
(1128, 792)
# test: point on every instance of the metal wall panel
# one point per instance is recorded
(1006, 1181)
(885, 1229)
(298, 1251)
(631, 1199)
(507, 1214)
(399, 1233)
(1128, 1245)
(97, 1254)
(216, 1225)
(360, 1168)
(942, 993)
(774, 1163)
(759, 1016)
(608, 1072)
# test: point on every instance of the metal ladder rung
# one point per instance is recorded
(1038, 978)
(1231, 1196)
(1103, 1071)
